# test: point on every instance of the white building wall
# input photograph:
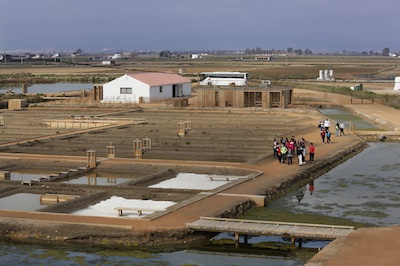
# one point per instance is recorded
(187, 89)
(155, 93)
(111, 90)
(167, 91)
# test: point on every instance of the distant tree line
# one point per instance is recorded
(290, 50)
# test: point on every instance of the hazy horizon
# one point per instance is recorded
(98, 25)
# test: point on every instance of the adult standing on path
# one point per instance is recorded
(337, 128)
(341, 127)
(299, 153)
(327, 124)
(321, 124)
(311, 150)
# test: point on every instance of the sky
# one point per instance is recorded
(188, 25)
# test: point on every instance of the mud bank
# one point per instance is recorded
(93, 235)
(107, 236)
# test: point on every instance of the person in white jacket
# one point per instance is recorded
(327, 124)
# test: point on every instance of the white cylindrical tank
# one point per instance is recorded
(321, 74)
(326, 74)
(331, 74)
(396, 84)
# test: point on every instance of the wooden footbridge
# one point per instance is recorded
(267, 228)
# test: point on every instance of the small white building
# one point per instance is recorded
(396, 84)
(146, 87)
(108, 62)
(196, 56)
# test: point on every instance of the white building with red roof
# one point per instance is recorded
(146, 87)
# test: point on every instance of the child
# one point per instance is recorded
(290, 156)
(323, 136)
(312, 150)
(328, 137)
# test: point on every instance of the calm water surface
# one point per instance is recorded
(47, 88)
(338, 114)
(31, 254)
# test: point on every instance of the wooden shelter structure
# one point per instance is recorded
(244, 97)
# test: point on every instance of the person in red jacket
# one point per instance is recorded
(311, 151)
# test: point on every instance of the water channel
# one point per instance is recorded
(48, 88)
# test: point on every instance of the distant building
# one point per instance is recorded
(108, 62)
(6, 57)
(145, 87)
(196, 56)
(358, 87)
(264, 57)
(115, 56)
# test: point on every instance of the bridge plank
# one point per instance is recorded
(270, 228)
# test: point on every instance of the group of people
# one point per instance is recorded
(285, 150)
(325, 124)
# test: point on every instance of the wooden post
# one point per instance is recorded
(91, 159)
(24, 88)
(5, 175)
(236, 240)
(188, 125)
(146, 143)
(352, 126)
(110, 151)
(181, 129)
(137, 148)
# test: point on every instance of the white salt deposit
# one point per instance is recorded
(181, 181)
(106, 207)
(196, 181)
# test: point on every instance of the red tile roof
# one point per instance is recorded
(159, 78)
